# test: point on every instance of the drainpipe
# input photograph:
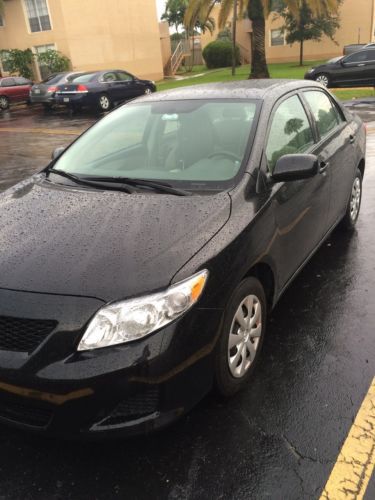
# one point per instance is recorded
(372, 21)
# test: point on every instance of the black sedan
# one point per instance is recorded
(100, 90)
(354, 70)
(44, 92)
(137, 270)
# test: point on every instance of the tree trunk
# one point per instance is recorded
(234, 61)
(301, 53)
(259, 67)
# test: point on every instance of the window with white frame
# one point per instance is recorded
(277, 37)
(40, 49)
(38, 15)
(4, 55)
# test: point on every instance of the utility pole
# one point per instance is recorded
(234, 25)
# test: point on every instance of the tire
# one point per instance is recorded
(104, 102)
(232, 369)
(4, 102)
(354, 204)
(148, 91)
(323, 78)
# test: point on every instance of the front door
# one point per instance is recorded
(300, 207)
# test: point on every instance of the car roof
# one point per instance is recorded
(241, 89)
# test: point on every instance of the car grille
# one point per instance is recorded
(25, 415)
(135, 407)
(23, 335)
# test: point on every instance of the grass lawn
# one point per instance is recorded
(280, 70)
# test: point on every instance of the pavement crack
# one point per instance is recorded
(299, 456)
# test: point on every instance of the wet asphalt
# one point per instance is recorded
(280, 438)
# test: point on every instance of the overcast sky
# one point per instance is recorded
(160, 4)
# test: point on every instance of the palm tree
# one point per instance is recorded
(257, 11)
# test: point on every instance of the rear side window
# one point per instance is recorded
(8, 82)
(324, 112)
(87, 77)
(290, 131)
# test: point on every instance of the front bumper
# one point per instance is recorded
(309, 75)
(123, 390)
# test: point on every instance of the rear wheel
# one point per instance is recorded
(241, 337)
(323, 78)
(4, 102)
(354, 203)
(104, 102)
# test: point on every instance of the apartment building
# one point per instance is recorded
(93, 34)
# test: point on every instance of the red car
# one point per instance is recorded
(14, 89)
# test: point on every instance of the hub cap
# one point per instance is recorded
(104, 102)
(355, 199)
(323, 80)
(244, 336)
(148, 91)
(3, 102)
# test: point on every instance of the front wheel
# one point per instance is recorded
(4, 102)
(241, 337)
(148, 91)
(354, 203)
(323, 79)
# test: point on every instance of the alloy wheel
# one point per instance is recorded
(148, 91)
(355, 199)
(3, 102)
(104, 102)
(244, 336)
(323, 79)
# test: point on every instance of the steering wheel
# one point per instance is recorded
(225, 154)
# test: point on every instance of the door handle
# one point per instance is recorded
(351, 139)
(323, 165)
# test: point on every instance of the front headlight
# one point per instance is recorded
(135, 318)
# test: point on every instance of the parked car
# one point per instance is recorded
(44, 92)
(355, 70)
(155, 246)
(14, 89)
(353, 47)
(102, 89)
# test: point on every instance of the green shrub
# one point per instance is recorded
(53, 61)
(218, 54)
(19, 62)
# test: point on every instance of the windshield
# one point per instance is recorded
(180, 142)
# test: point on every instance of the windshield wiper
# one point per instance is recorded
(91, 183)
(131, 181)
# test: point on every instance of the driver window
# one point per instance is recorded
(290, 132)
(109, 77)
(359, 56)
(124, 77)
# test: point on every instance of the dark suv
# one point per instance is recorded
(354, 70)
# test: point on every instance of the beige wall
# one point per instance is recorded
(94, 34)
(357, 21)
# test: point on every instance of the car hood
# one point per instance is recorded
(105, 244)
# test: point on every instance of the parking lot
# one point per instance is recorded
(281, 437)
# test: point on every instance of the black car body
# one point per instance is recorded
(355, 70)
(73, 246)
(44, 92)
(102, 89)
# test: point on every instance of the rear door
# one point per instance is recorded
(335, 149)
(300, 207)
(23, 87)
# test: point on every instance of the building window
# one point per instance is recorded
(4, 55)
(277, 37)
(44, 71)
(37, 12)
(1, 21)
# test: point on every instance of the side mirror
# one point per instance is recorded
(295, 167)
(57, 152)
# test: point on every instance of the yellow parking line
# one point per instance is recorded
(55, 131)
(355, 463)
